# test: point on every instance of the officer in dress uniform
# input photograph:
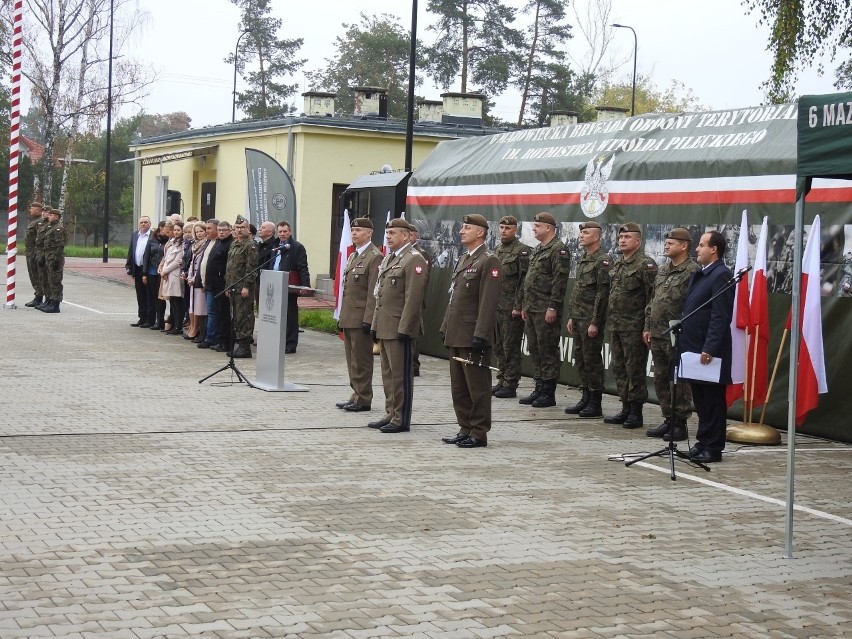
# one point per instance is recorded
(37, 220)
(399, 293)
(468, 332)
(242, 260)
(417, 246)
(54, 261)
(356, 315)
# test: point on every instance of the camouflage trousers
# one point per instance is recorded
(629, 365)
(53, 274)
(243, 318)
(507, 348)
(661, 354)
(587, 356)
(34, 273)
(543, 344)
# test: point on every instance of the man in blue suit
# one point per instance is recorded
(708, 332)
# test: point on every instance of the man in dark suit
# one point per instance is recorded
(708, 333)
(133, 266)
(468, 331)
(214, 284)
(293, 258)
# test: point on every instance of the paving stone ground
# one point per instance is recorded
(137, 503)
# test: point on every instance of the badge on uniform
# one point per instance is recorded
(651, 265)
(393, 281)
(418, 269)
(495, 273)
(357, 277)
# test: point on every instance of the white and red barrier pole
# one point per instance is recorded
(14, 133)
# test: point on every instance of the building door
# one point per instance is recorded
(208, 201)
(337, 207)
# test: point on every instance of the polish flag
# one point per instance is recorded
(346, 249)
(758, 346)
(740, 320)
(811, 364)
(385, 237)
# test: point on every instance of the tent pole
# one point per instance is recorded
(795, 338)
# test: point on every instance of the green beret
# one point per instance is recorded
(590, 225)
(55, 212)
(630, 227)
(680, 234)
(413, 228)
(37, 205)
(398, 223)
(240, 220)
(545, 217)
(475, 220)
(362, 223)
(508, 220)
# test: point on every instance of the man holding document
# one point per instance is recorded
(705, 345)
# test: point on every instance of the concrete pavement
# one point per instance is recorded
(137, 503)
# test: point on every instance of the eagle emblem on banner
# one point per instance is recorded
(270, 297)
(594, 196)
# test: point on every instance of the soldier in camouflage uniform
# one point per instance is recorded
(542, 298)
(54, 261)
(631, 286)
(586, 319)
(666, 305)
(38, 253)
(514, 261)
(242, 260)
(37, 220)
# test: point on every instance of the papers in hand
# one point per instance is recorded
(692, 368)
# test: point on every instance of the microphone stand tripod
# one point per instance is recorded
(675, 329)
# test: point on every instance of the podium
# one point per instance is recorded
(272, 334)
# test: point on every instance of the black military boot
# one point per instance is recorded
(548, 394)
(619, 418)
(38, 300)
(53, 307)
(44, 305)
(634, 418)
(678, 433)
(242, 351)
(593, 408)
(496, 387)
(505, 392)
(529, 399)
(576, 408)
(660, 430)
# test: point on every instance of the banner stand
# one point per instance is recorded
(272, 334)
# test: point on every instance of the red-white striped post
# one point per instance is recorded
(14, 132)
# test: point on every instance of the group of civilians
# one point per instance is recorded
(179, 271)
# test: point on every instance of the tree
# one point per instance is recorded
(675, 98)
(152, 124)
(800, 32)
(373, 53)
(558, 87)
(267, 93)
(594, 23)
(476, 43)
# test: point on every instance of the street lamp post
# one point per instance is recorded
(635, 51)
(234, 96)
(412, 64)
(108, 150)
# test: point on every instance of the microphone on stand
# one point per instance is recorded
(740, 274)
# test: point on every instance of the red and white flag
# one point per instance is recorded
(385, 237)
(758, 343)
(346, 249)
(811, 364)
(740, 320)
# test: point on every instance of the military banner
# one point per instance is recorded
(271, 195)
(695, 170)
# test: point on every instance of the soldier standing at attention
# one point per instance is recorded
(543, 295)
(37, 220)
(468, 330)
(396, 321)
(242, 260)
(631, 286)
(666, 304)
(417, 246)
(586, 319)
(54, 261)
(356, 315)
(41, 266)
(514, 261)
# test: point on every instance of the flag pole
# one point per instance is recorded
(774, 372)
(746, 402)
(753, 374)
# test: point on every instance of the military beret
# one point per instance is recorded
(56, 212)
(240, 220)
(545, 217)
(362, 223)
(398, 223)
(590, 225)
(37, 205)
(630, 227)
(45, 207)
(476, 220)
(413, 228)
(508, 220)
(679, 234)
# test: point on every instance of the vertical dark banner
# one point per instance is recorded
(271, 195)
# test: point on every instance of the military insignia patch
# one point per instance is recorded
(495, 273)
(651, 265)
(418, 269)
(605, 262)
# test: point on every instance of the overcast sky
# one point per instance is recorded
(714, 48)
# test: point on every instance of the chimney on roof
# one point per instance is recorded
(607, 113)
(430, 111)
(463, 108)
(371, 102)
(319, 103)
(563, 118)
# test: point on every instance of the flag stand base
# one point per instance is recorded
(759, 434)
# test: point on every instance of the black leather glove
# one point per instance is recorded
(373, 337)
(366, 328)
(402, 337)
(478, 344)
